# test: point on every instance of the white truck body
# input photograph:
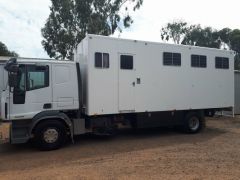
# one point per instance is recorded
(114, 83)
(160, 87)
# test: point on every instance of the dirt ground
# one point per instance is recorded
(143, 154)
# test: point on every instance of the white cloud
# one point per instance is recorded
(20, 25)
(21, 20)
(154, 14)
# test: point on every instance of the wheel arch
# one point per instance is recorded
(50, 115)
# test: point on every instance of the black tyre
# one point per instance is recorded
(50, 135)
(194, 122)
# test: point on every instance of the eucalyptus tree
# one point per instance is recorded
(5, 52)
(70, 20)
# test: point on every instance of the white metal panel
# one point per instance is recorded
(162, 88)
(65, 86)
(102, 84)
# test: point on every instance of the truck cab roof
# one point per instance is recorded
(4, 59)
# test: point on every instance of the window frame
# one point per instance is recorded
(24, 70)
(131, 65)
(105, 63)
(96, 64)
(174, 60)
(222, 59)
(46, 76)
(199, 61)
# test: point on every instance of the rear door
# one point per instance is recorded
(126, 80)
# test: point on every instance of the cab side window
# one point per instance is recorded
(37, 77)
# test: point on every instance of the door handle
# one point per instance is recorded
(138, 81)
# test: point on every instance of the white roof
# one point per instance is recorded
(149, 42)
(3, 59)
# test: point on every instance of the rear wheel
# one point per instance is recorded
(50, 135)
(193, 122)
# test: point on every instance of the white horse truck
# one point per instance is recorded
(114, 83)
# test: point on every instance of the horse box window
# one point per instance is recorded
(171, 59)
(126, 62)
(199, 61)
(222, 63)
(101, 60)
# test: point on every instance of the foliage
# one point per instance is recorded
(224, 35)
(237, 62)
(206, 37)
(70, 20)
(175, 31)
(5, 52)
(234, 37)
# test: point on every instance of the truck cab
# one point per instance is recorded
(38, 89)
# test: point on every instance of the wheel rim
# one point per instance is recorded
(50, 135)
(194, 123)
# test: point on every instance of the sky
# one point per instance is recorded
(21, 20)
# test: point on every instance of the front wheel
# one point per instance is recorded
(193, 122)
(50, 135)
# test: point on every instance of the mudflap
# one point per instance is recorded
(19, 131)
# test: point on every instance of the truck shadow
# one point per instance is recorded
(146, 138)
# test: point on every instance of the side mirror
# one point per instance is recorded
(11, 65)
(13, 69)
(12, 79)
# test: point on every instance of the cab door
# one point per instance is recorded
(33, 92)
